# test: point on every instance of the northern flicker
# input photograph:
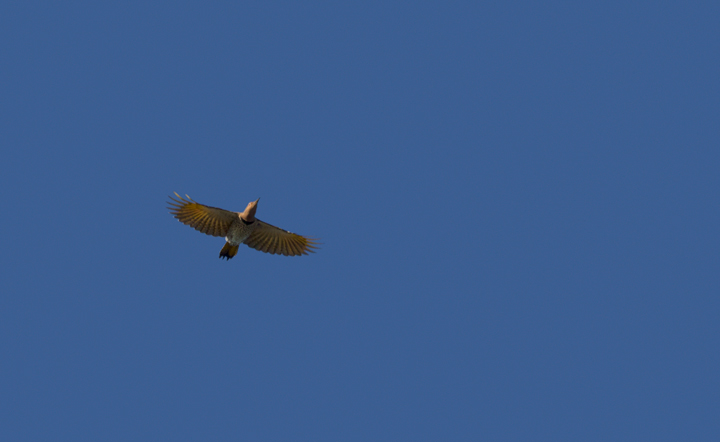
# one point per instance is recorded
(238, 228)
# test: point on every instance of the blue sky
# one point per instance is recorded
(518, 205)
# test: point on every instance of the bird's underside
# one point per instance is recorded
(239, 228)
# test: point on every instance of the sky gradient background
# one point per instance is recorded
(518, 204)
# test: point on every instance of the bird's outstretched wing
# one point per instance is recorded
(270, 239)
(208, 220)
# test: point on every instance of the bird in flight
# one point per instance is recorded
(238, 228)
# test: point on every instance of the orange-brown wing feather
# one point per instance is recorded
(208, 220)
(271, 239)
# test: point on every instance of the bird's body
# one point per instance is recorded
(239, 231)
(239, 228)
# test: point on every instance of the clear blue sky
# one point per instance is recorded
(518, 204)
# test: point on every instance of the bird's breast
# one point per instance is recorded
(238, 232)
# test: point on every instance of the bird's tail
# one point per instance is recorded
(228, 251)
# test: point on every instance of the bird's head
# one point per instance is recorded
(249, 213)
